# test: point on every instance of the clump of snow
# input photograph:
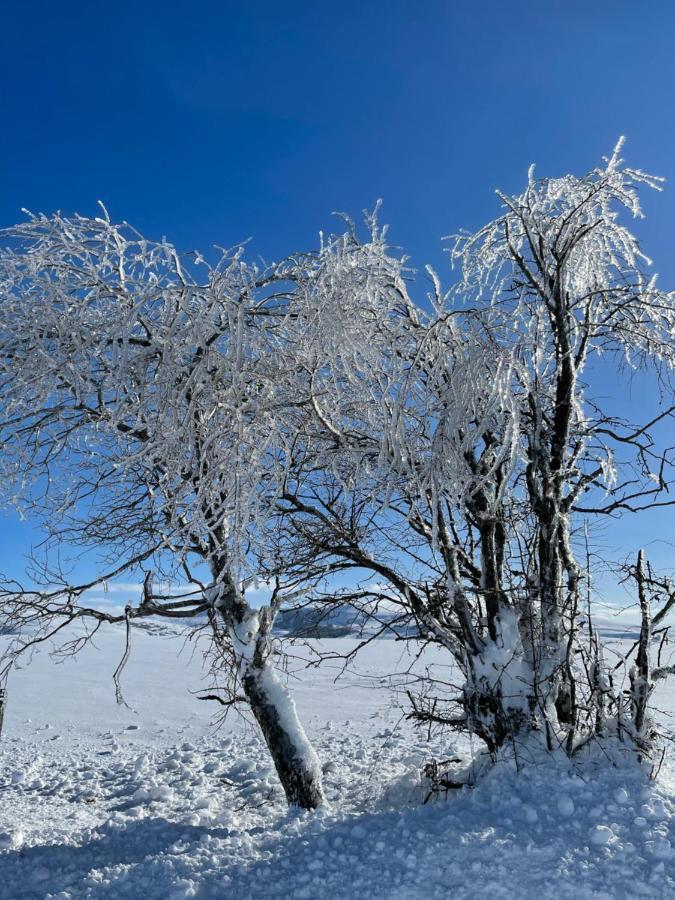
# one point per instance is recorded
(566, 806)
(11, 840)
(600, 835)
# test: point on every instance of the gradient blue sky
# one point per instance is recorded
(210, 123)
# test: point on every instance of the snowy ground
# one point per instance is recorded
(98, 800)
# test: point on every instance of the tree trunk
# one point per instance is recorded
(499, 696)
(640, 677)
(294, 759)
(490, 716)
(491, 555)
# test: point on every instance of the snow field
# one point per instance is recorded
(154, 802)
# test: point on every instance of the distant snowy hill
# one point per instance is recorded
(324, 621)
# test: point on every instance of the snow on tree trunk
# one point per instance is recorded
(295, 761)
(499, 693)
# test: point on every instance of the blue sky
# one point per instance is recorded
(210, 123)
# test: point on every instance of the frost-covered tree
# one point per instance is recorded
(465, 446)
(563, 279)
(142, 415)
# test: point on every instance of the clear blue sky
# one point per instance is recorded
(210, 123)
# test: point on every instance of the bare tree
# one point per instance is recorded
(656, 598)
